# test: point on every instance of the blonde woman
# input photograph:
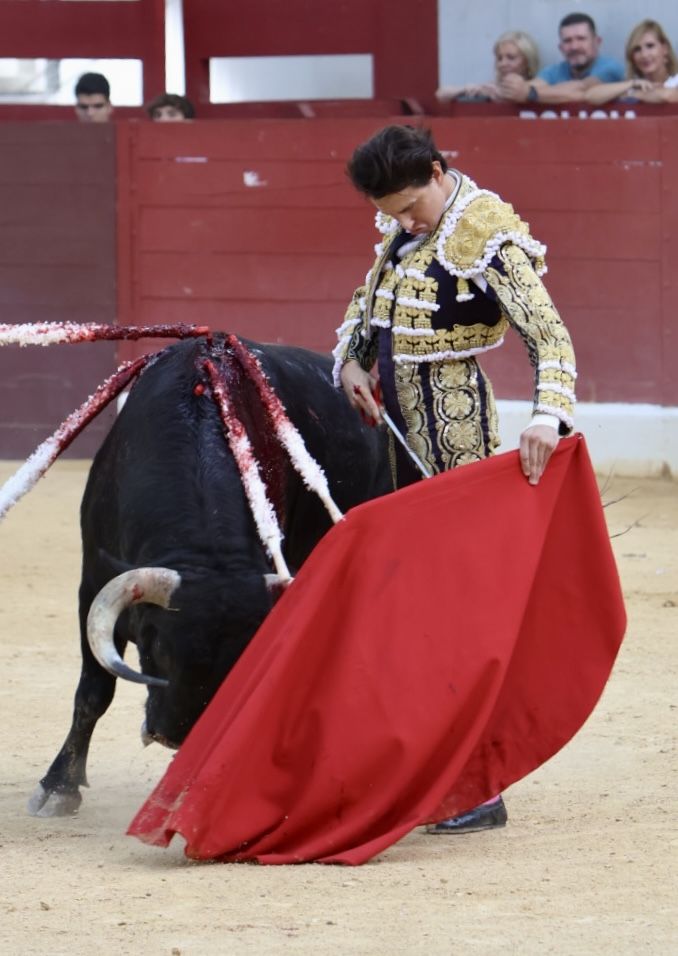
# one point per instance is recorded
(514, 52)
(651, 66)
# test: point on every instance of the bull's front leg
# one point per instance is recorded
(58, 793)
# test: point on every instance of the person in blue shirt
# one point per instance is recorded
(581, 68)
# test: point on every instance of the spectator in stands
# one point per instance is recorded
(514, 52)
(93, 98)
(581, 68)
(651, 66)
(170, 108)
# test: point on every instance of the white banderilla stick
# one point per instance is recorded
(415, 458)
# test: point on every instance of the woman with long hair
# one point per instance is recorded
(652, 69)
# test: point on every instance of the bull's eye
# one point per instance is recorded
(147, 635)
(152, 650)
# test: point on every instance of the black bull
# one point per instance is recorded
(164, 491)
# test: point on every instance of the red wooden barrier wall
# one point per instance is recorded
(252, 226)
(401, 35)
(108, 29)
(57, 264)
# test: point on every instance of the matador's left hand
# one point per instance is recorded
(536, 447)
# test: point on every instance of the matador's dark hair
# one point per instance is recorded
(393, 159)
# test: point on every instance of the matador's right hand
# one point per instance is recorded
(359, 386)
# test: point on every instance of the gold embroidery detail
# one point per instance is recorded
(456, 410)
(529, 309)
(421, 257)
(481, 220)
(460, 338)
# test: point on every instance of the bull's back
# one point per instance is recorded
(353, 455)
(164, 480)
(163, 468)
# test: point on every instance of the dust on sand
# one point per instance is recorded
(586, 864)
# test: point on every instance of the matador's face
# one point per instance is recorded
(418, 208)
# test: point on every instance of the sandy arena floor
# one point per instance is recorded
(585, 866)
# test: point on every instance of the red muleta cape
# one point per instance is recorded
(438, 645)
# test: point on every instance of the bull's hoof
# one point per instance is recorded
(45, 803)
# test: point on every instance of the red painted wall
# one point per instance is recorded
(108, 29)
(251, 226)
(57, 264)
(601, 195)
(395, 32)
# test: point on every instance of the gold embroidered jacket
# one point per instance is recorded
(453, 295)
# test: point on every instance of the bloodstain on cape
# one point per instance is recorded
(438, 645)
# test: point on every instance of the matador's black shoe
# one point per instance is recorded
(488, 816)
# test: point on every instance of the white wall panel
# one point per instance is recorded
(467, 31)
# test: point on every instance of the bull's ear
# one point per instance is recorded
(113, 566)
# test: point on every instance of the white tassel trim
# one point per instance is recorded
(530, 246)
(558, 389)
(444, 356)
(386, 225)
(559, 366)
(558, 412)
(346, 326)
(405, 330)
(417, 303)
(339, 360)
(526, 243)
(410, 273)
(336, 371)
(340, 347)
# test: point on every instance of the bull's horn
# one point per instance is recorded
(141, 585)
